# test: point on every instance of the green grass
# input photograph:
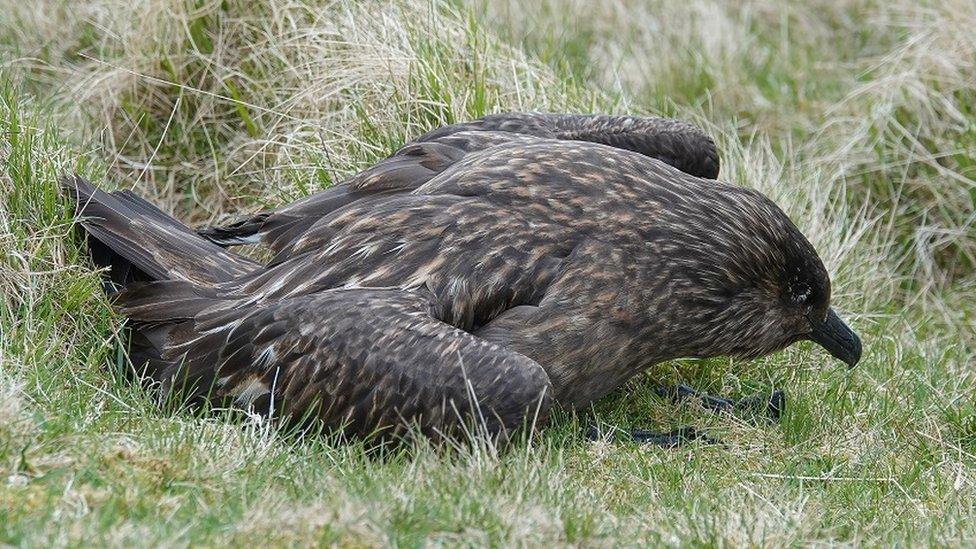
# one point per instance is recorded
(854, 116)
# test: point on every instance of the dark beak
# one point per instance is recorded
(839, 340)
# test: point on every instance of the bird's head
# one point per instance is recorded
(750, 283)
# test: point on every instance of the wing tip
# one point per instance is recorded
(75, 187)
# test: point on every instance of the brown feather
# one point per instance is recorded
(529, 268)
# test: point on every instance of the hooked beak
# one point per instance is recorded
(839, 340)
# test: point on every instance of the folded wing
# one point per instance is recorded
(677, 143)
(368, 361)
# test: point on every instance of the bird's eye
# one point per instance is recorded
(801, 294)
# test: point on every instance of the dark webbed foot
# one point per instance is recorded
(771, 406)
(671, 439)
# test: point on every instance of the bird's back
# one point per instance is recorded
(672, 141)
(489, 233)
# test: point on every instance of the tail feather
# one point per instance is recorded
(137, 241)
(164, 301)
(161, 312)
(161, 273)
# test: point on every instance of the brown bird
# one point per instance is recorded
(484, 271)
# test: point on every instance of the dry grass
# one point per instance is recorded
(855, 116)
(222, 99)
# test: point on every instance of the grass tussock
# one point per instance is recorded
(205, 102)
(855, 116)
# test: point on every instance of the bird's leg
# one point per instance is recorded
(680, 392)
(771, 406)
(671, 439)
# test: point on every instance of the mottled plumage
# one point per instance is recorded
(671, 141)
(511, 262)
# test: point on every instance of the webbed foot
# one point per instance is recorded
(771, 406)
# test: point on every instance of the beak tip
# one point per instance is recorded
(835, 336)
(855, 353)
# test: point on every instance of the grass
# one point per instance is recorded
(855, 116)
